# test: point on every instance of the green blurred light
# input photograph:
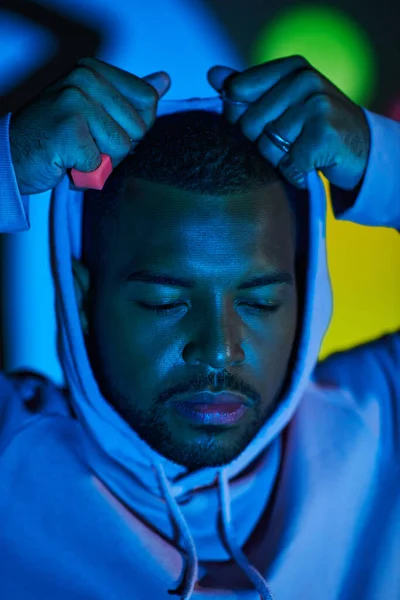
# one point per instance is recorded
(332, 42)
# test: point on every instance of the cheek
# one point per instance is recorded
(279, 343)
(130, 346)
(114, 335)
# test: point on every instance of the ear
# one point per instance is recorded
(81, 287)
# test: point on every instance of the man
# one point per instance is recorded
(198, 449)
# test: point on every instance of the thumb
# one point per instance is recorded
(217, 76)
(161, 81)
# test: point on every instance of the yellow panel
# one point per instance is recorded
(364, 263)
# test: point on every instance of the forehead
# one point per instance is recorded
(158, 223)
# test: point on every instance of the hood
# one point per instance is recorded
(226, 502)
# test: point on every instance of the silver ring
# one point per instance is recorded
(278, 140)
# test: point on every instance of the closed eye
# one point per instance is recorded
(174, 307)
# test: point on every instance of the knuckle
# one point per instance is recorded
(325, 134)
(322, 103)
(299, 60)
(84, 61)
(311, 79)
(87, 69)
(70, 126)
(71, 94)
(82, 74)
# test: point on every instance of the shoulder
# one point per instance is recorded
(25, 396)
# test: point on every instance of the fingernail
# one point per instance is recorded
(159, 81)
(218, 75)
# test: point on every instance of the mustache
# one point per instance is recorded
(213, 384)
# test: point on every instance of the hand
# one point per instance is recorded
(328, 131)
(96, 108)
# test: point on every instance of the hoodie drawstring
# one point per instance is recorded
(255, 576)
(191, 570)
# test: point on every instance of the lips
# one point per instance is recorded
(214, 399)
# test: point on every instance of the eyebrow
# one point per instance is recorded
(272, 278)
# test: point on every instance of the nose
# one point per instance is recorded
(217, 344)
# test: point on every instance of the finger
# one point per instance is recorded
(138, 91)
(250, 84)
(128, 84)
(303, 156)
(160, 81)
(87, 133)
(113, 102)
(289, 125)
(141, 94)
(256, 81)
(289, 91)
(217, 75)
(315, 148)
(314, 141)
(233, 110)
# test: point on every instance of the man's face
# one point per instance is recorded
(214, 340)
